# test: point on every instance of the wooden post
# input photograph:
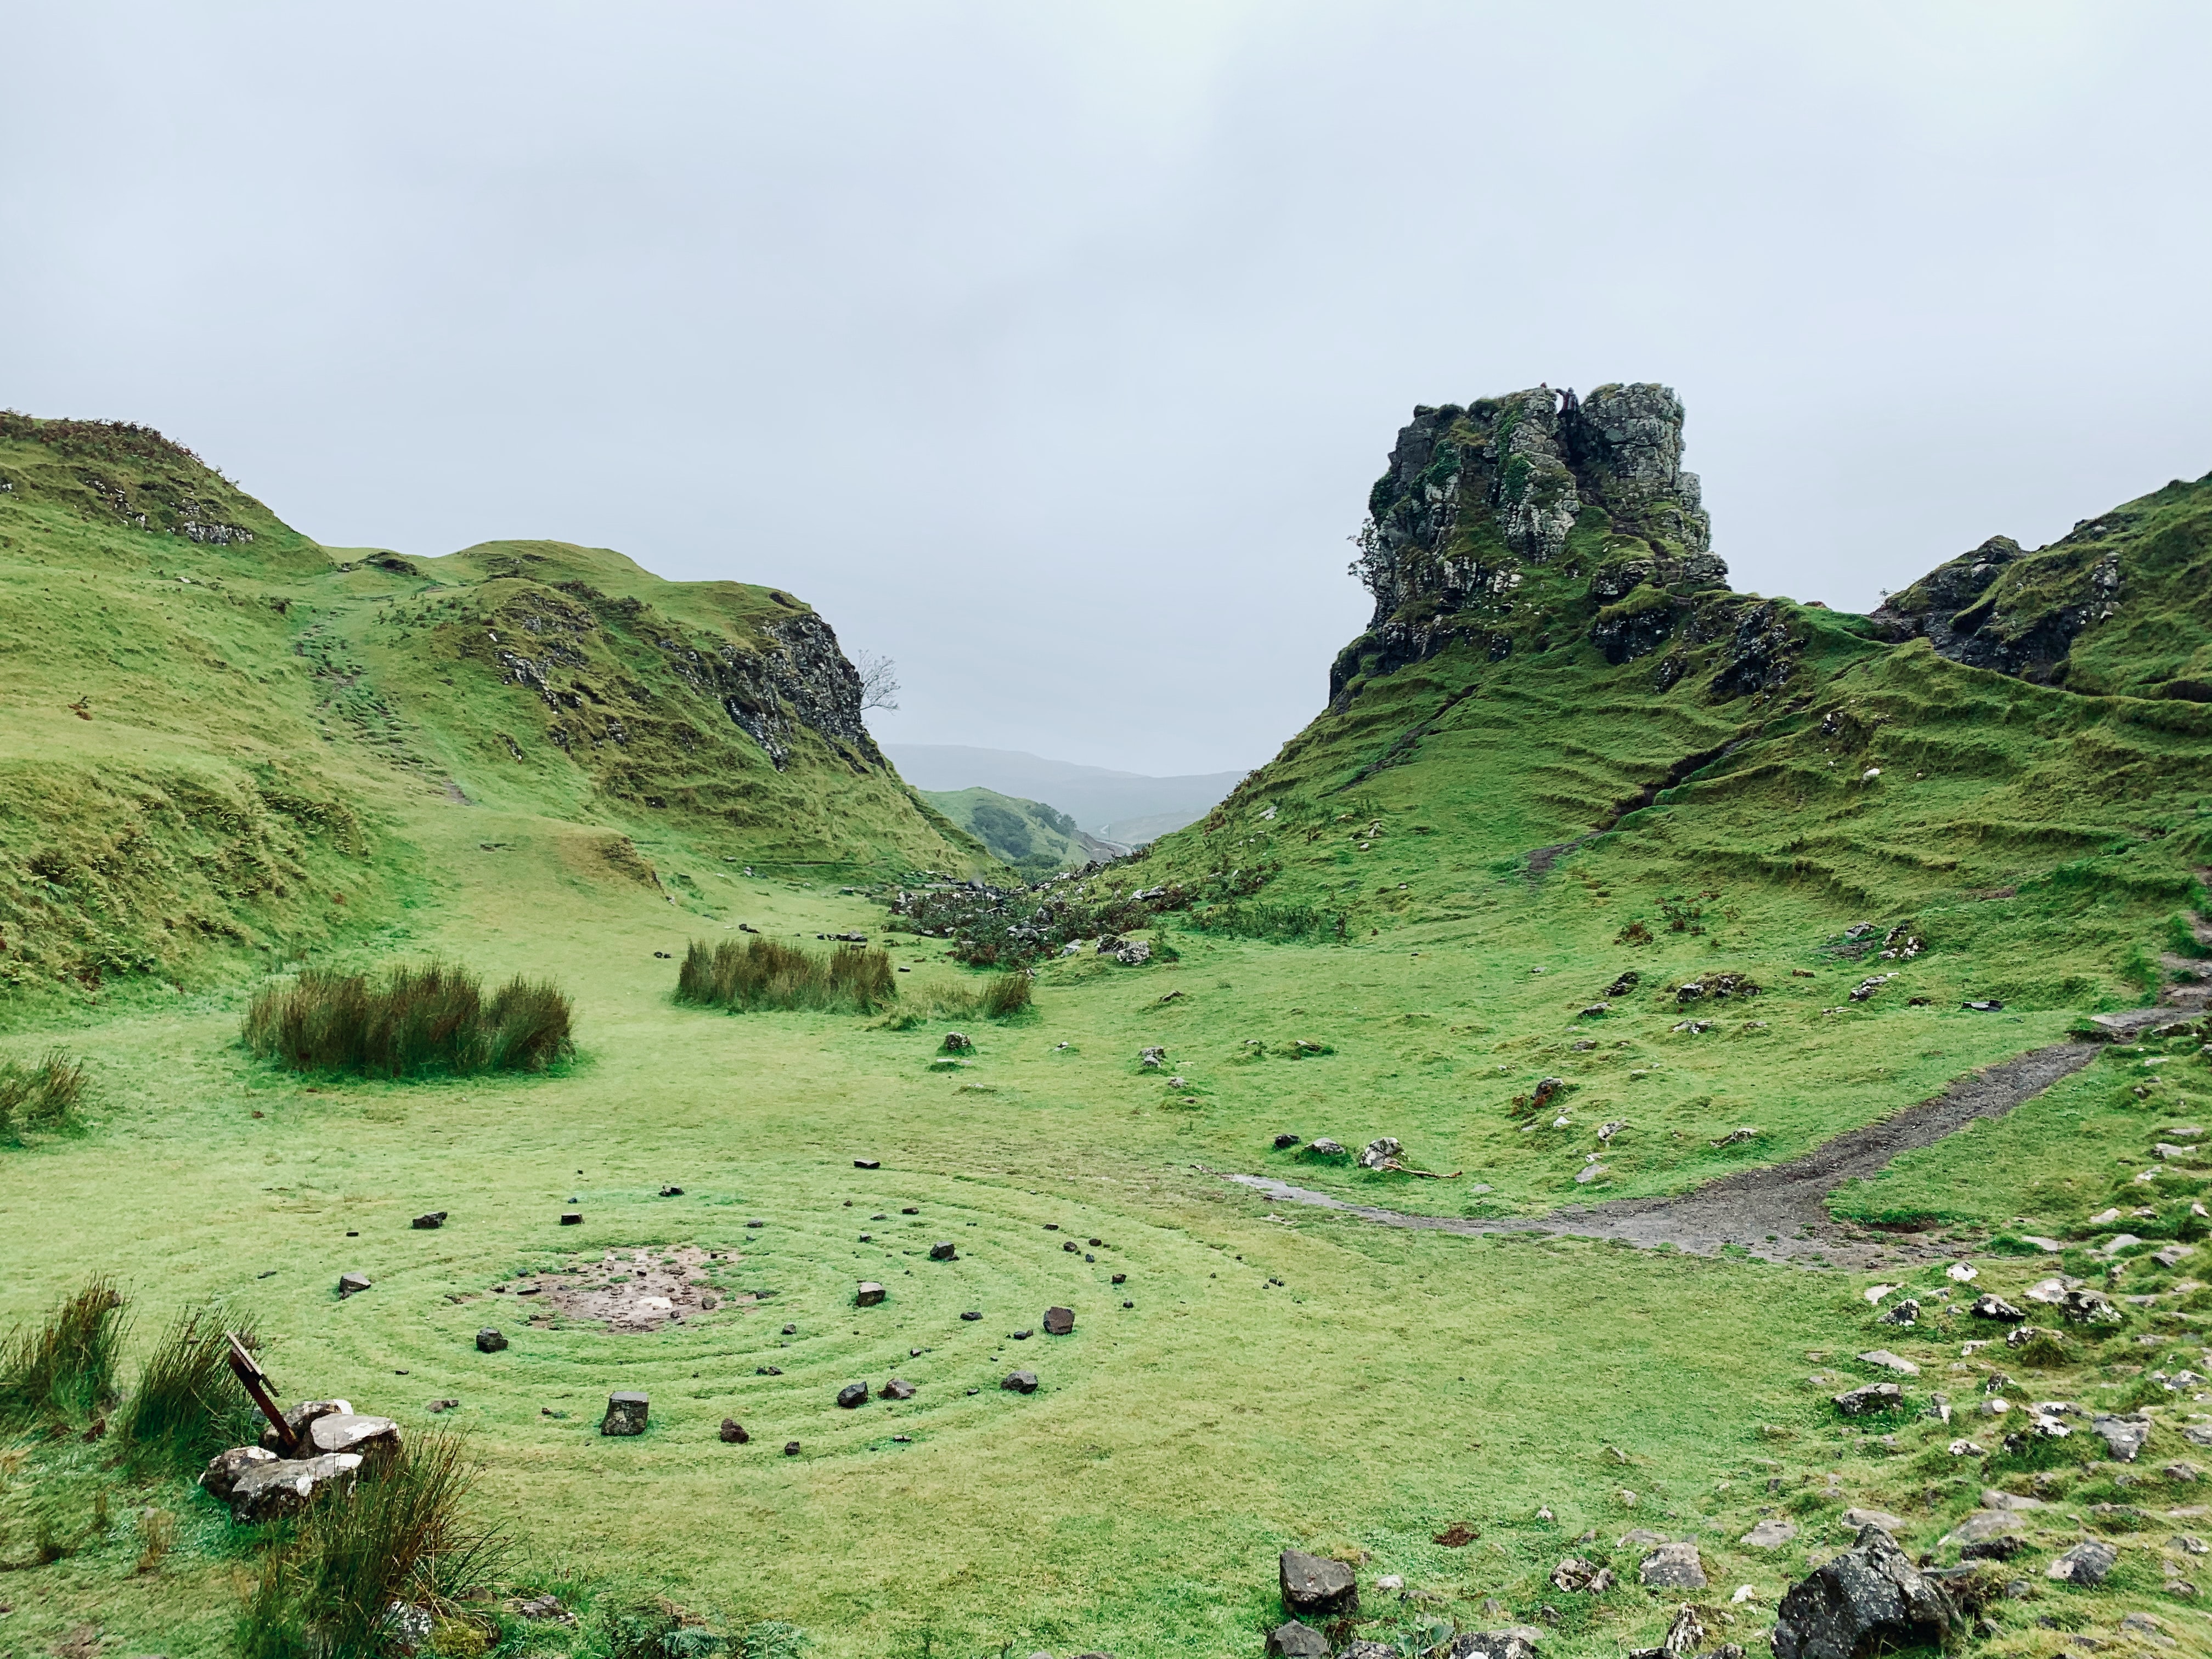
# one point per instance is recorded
(255, 1383)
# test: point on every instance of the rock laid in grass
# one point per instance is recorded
(972, 1314)
(225, 1468)
(1906, 1312)
(626, 1414)
(435, 1219)
(957, 1044)
(2089, 1307)
(943, 1251)
(1121, 1278)
(1292, 1640)
(1990, 1305)
(1672, 1566)
(283, 1485)
(1020, 1383)
(897, 1388)
(300, 1417)
(671, 1191)
(1859, 1520)
(351, 1431)
(353, 1285)
(2123, 1437)
(1889, 1362)
(572, 1217)
(490, 1341)
(2087, 1563)
(853, 1396)
(869, 1295)
(1058, 1321)
(733, 1433)
(1284, 1142)
(1316, 1587)
(437, 1407)
(791, 1448)
(1324, 1147)
(1384, 1148)
(1772, 1533)
(1872, 1397)
(1867, 1601)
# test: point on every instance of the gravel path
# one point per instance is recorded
(1780, 1213)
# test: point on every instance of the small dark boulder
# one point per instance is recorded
(1873, 1397)
(860, 1164)
(572, 1217)
(1867, 1601)
(791, 1448)
(1284, 1142)
(1292, 1640)
(626, 1414)
(957, 1044)
(943, 1251)
(490, 1341)
(1990, 1305)
(435, 1219)
(853, 1395)
(733, 1433)
(671, 1191)
(897, 1388)
(1020, 1383)
(972, 1314)
(1121, 1278)
(869, 1295)
(1314, 1587)
(353, 1285)
(1058, 1321)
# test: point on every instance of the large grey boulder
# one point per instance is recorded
(1672, 1566)
(2123, 1437)
(2087, 1563)
(1872, 1397)
(626, 1413)
(301, 1418)
(1866, 1601)
(1316, 1587)
(352, 1432)
(1292, 1640)
(225, 1468)
(283, 1485)
(1772, 1533)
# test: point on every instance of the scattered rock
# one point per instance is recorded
(897, 1388)
(1906, 1313)
(626, 1414)
(1383, 1149)
(957, 1042)
(353, 1285)
(2173, 1254)
(853, 1395)
(1859, 1519)
(1770, 1533)
(2085, 1307)
(1292, 1640)
(1316, 1587)
(972, 1314)
(301, 1418)
(1058, 1321)
(1588, 1173)
(858, 1163)
(435, 1219)
(1324, 1147)
(1984, 1006)
(671, 1191)
(1672, 1566)
(221, 1475)
(733, 1433)
(490, 1341)
(1867, 1601)
(283, 1485)
(1020, 1381)
(1285, 1141)
(572, 1217)
(2123, 1437)
(1990, 1305)
(1574, 1574)
(791, 1448)
(943, 1251)
(349, 1431)
(546, 1608)
(1889, 1362)
(2087, 1563)
(869, 1294)
(1872, 1397)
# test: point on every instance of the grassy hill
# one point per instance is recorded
(1565, 754)
(216, 727)
(1026, 836)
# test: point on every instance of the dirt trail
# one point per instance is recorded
(1787, 1201)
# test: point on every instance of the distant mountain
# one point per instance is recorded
(1035, 839)
(1120, 806)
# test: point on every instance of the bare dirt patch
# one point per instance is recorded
(636, 1289)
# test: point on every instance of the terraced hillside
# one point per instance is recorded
(1438, 1149)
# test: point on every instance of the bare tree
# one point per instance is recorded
(880, 686)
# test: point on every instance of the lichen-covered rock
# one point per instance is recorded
(626, 1414)
(282, 1487)
(1292, 1640)
(300, 1417)
(224, 1469)
(1867, 1601)
(354, 1432)
(1314, 1587)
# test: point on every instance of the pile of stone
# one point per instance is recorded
(324, 1445)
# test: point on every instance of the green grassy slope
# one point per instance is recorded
(211, 721)
(1027, 836)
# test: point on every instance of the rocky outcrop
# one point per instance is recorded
(1867, 1601)
(1998, 607)
(1478, 499)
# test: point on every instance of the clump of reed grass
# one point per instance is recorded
(402, 1535)
(43, 1096)
(425, 1017)
(62, 1369)
(1244, 919)
(1008, 995)
(188, 1404)
(763, 973)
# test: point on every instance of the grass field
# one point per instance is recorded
(350, 777)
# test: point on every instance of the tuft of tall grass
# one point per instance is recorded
(63, 1368)
(430, 1017)
(188, 1404)
(402, 1535)
(1007, 995)
(1244, 919)
(763, 973)
(41, 1097)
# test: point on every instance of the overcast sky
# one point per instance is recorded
(1051, 349)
